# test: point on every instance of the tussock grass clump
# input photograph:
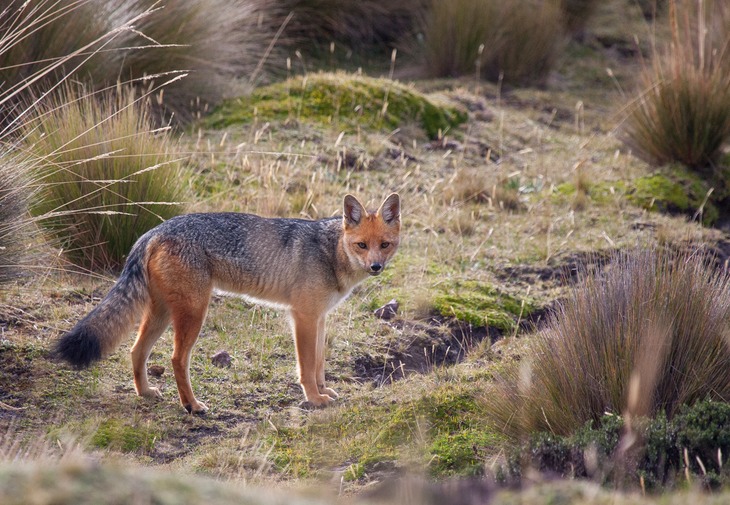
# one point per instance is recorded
(648, 336)
(99, 42)
(683, 112)
(516, 41)
(106, 174)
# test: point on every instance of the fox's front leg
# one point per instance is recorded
(306, 327)
(321, 353)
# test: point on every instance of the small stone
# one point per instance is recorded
(156, 370)
(221, 359)
(387, 311)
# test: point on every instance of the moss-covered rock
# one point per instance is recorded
(343, 99)
(482, 305)
(677, 191)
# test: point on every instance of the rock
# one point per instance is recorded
(156, 370)
(387, 311)
(221, 359)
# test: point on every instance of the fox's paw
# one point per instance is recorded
(151, 392)
(316, 402)
(197, 408)
(323, 390)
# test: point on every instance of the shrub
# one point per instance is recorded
(502, 39)
(648, 336)
(683, 112)
(211, 40)
(107, 176)
(595, 449)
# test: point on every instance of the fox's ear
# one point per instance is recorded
(354, 211)
(390, 209)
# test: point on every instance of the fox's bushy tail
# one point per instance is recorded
(99, 333)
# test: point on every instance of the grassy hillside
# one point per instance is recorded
(506, 192)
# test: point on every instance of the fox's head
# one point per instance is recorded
(371, 238)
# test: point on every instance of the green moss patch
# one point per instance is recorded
(346, 100)
(436, 429)
(482, 305)
(676, 191)
(116, 435)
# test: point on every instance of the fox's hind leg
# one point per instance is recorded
(321, 358)
(187, 320)
(186, 291)
(156, 318)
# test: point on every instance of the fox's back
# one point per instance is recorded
(265, 258)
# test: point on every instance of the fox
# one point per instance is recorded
(306, 267)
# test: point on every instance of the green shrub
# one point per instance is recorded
(502, 39)
(649, 335)
(697, 436)
(136, 40)
(107, 176)
(683, 111)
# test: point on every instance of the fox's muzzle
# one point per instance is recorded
(375, 268)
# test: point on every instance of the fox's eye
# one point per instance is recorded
(385, 245)
(362, 245)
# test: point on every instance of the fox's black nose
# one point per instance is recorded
(376, 267)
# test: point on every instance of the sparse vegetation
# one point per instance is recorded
(358, 24)
(107, 174)
(576, 14)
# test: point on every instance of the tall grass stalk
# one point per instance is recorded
(106, 174)
(683, 112)
(649, 335)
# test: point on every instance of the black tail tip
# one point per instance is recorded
(79, 347)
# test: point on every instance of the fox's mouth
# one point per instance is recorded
(375, 273)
